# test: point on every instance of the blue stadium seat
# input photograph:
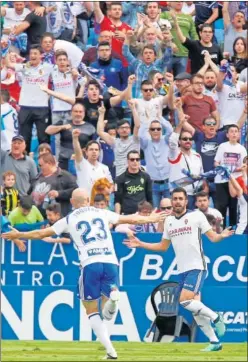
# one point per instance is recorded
(168, 321)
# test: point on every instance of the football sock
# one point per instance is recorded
(205, 325)
(109, 309)
(101, 332)
(198, 308)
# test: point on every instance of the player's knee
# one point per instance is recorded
(186, 295)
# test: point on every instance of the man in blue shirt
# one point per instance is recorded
(142, 67)
(114, 73)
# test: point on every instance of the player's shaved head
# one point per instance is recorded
(80, 198)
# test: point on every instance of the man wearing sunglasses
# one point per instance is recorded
(133, 186)
(183, 157)
(156, 150)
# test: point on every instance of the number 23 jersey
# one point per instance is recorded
(89, 230)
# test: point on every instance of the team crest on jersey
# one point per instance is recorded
(41, 72)
(142, 180)
(186, 221)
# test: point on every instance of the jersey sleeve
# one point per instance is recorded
(112, 217)
(165, 233)
(61, 226)
(203, 223)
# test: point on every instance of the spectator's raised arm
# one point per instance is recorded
(101, 125)
(76, 145)
(225, 13)
(99, 16)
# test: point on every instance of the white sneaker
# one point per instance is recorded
(110, 356)
(115, 296)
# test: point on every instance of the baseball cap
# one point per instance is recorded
(18, 137)
(182, 76)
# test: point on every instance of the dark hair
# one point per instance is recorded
(149, 2)
(149, 46)
(92, 142)
(207, 119)
(244, 42)
(115, 3)
(211, 219)
(201, 194)
(232, 126)
(5, 95)
(144, 205)
(47, 158)
(35, 47)
(60, 52)
(47, 35)
(93, 82)
(44, 146)
(146, 82)
(197, 75)
(179, 189)
(26, 202)
(99, 198)
(152, 74)
(110, 126)
(56, 208)
(205, 25)
(184, 131)
(122, 122)
(132, 151)
(103, 44)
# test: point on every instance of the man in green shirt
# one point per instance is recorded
(187, 26)
(25, 213)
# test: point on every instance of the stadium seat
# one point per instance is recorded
(168, 321)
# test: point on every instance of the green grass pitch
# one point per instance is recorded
(127, 351)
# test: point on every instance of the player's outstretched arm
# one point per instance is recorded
(35, 234)
(134, 242)
(215, 238)
(154, 217)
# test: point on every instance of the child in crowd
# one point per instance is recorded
(9, 194)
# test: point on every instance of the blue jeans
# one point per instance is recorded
(178, 65)
(160, 191)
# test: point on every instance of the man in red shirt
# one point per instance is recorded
(114, 24)
(199, 106)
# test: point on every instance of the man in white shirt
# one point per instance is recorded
(33, 101)
(88, 170)
(9, 120)
(230, 155)
(182, 156)
(13, 16)
(202, 203)
(150, 108)
(183, 230)
(231, 98)
(99, 279)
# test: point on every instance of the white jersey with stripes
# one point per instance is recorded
(185, 234)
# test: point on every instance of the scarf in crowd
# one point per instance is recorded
(226, 68)
(190, 179)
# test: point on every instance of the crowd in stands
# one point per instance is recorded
(127, 100)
